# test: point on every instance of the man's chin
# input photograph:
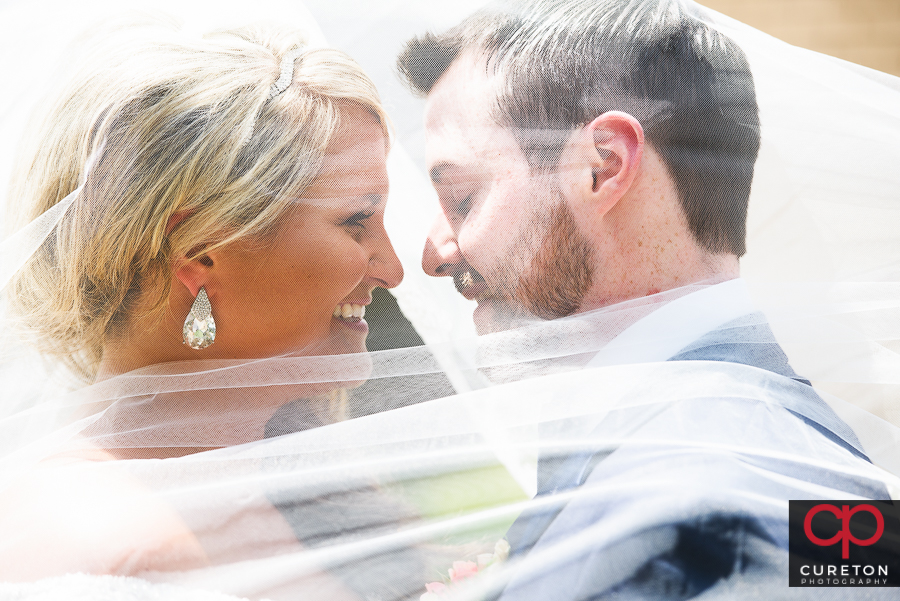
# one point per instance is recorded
(497, 315)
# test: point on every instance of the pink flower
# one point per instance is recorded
(435, 591)
(462, 570)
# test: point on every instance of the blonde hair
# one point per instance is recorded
(185, 128)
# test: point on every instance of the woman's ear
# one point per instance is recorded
(604, 158)
(194, 273)
(175, 219)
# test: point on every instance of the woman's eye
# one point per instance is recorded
(357, 219)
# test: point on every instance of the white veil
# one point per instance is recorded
(441, 455)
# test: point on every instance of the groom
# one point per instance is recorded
(588, 152)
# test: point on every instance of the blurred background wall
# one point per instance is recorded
(866, 32)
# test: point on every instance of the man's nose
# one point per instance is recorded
(441, 255)
(384, 265)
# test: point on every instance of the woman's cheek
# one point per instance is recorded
(351, 268)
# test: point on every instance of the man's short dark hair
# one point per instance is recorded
(567, 61)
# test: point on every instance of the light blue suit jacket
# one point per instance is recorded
(714, 534)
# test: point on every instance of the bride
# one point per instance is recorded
(220, 202)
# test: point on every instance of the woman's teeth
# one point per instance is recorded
(349, 311)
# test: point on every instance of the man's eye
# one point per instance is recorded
(463, 207)
(357, 219)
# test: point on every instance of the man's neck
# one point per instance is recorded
(710, 269)
(678, 318)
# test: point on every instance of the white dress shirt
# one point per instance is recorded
(676, 324)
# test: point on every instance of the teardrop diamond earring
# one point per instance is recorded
(199, 327)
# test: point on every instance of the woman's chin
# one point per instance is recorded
(345, 337)
(356, 325)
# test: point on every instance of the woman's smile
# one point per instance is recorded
(350, 315)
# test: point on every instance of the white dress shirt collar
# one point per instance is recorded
(676, 324)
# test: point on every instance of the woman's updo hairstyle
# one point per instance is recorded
(175, 127)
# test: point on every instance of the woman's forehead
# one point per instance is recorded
(357, 125)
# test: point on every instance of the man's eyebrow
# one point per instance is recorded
(438, 170)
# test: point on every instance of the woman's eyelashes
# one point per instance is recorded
(358, 220)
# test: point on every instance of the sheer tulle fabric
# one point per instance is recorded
(451, 442)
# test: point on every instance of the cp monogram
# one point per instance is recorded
(844, 535)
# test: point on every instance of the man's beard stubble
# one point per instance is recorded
(561, 271)
(550, 283)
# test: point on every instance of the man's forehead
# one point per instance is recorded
(453, 149)
(463, 96)
(459, 125)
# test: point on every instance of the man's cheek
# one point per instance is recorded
(477, 251)
(487, 260)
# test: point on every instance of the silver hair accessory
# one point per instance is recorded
(287, 72)
(199, 329)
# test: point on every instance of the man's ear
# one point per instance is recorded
(606, 158)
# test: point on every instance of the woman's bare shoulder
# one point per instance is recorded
(85, 513)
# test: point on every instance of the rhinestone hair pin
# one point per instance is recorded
(287, 72)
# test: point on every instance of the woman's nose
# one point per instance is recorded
(384, 265)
